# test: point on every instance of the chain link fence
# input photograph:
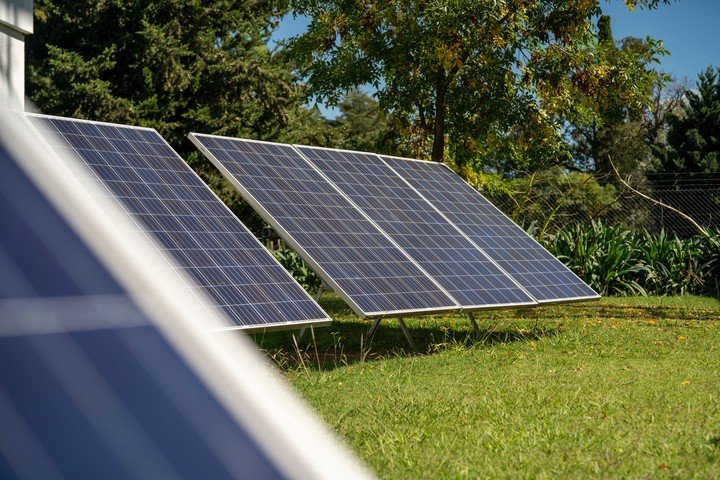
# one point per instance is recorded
(675, 203)
(695, 195)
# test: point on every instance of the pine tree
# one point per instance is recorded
(694, 135)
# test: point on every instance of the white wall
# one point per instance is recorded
(16, 21)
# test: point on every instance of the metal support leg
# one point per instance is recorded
(407, 333)
(321, 289)
(373, 328)
(475, 327)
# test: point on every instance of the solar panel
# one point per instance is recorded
(344, 247)
(450, 258)
(532, 266)
(92, 384)
(166, 200)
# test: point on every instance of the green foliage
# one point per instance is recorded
(492, 184)
(553, 198)
(292, 262)
(620, 134)
(606, 258)
(615, 261)
(624, 142)
(690, 151)
(361, 125)
(694, 135)
(179, 66)
(498, 80)
(310, 128)
(708, 246)
(672, 264)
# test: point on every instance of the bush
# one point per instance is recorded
(606, 258)
(709, 260)
(553, 198)
(618, 262)
(672, 264)
(298, 269)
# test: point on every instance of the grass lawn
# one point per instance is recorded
(621, 388)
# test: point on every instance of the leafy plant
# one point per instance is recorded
(495, 80)
(553, 197)
(605, 257)
(708, 246)
(672, 263)
(615, 261)
(298, 269)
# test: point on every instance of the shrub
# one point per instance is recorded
(672, 264)
(553, 198)
(298, 269)
(708, 246)
(606, 258)
(615, 261)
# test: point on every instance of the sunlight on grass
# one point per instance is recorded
(626, 387)
(682, 301)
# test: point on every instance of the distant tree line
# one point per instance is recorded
(527, 99)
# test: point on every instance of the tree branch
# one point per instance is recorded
(657, 202)
(421, 112)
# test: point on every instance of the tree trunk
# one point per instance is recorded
(438, 148)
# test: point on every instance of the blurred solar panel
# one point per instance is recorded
(198, 233)
(345, 248)
(90, 385)
(450, 258)
(532, 266)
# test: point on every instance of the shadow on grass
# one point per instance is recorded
(671, 313)
(581, 311)
(345, 342)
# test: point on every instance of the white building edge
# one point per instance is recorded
(16, 21)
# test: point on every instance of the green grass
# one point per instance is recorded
(622, 388)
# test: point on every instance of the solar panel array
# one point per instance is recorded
(433, 242)
(89, 387)
(537, 270)
(345, 247)
(104, 372)
(167, 201)
(477, 255)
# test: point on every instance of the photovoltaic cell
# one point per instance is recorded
(166, 200)
(89, 387)
(533, 267)
(433, 242)
(351, 254)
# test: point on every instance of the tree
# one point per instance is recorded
(690, 154)
(666, 101)
(498, 79)
(553, 198)
(618, 135)
(625, 143)
(361, 124)
(176, 65)
(694, 134)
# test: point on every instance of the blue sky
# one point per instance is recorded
(690, 29)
